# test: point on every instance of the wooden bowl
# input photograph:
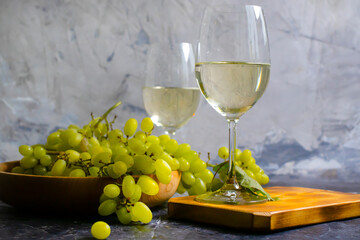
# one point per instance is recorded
(66, 194)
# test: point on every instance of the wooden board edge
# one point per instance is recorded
(215, 216)
(302, 217)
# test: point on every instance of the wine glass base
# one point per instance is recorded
(230, 196)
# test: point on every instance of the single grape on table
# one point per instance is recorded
(128, 156)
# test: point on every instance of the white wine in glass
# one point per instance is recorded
(171, 95)
(232, 71)
(171, 107)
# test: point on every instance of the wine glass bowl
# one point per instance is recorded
(232, 71)
(170, 94)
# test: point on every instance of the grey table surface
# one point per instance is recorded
(16, 224)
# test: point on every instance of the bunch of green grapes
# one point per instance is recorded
(246, 161)
(98, 150)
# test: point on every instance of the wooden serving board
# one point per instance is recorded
(297, 206)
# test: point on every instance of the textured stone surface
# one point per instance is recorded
(61, 60)
(22, 225)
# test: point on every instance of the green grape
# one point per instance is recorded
(148, 185)
(39, 170)
(162, 167)
(95, 150)
(28, 162)
(254, 168)
(181, 189)
(164, 139)
(191, 191)
(59, 168)
(120, 168)
(106, 149)
(223, 152)
(75, 139)
(39, 151)
(245, 156)
(184, 165)
(100, 130)
(107, 207)
(165, 156)
(115, 136)
(45, 160)
(100, 230)
(137, 146)
(28, 171)
(111, 173)
(140, 136)
(163, 178)
(249, 173)
(65, 134)
(130, 127)
(94, 171)
(133, 217)
(17, 169)
(105, 143)
(153, 139)
(250, 162)
(74, 126)
(84, 145)
(111, 191)
(191, 156)
(265, 179)
(126, 158)
(67, 171)
(262, 178)
(54, 138)
(73, 155)
(62, 147)
(199, 187)
(128, 186)
(136, 195)
(171, 146)
(142, 212)
(144, 164)
(155, 150)
(237, 154)
(123, 215)
(188, 178)
(84, 156)
(147, 125)
(93, 141)
(103, 198)
(118, 149)
(77, 173)
(197, 166)
(182, 149)
(206, 175)
(175, 164)
(26, 150)
(101, 159)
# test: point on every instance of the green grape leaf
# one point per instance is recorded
(251, 184)
(244, 180)
(221, 167)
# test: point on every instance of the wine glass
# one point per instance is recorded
(171, 95)
(232, 70)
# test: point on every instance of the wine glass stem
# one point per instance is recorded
(231, 179)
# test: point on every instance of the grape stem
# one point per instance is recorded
(104, 116)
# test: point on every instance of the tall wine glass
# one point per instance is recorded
(232, 70)
(171, 95)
